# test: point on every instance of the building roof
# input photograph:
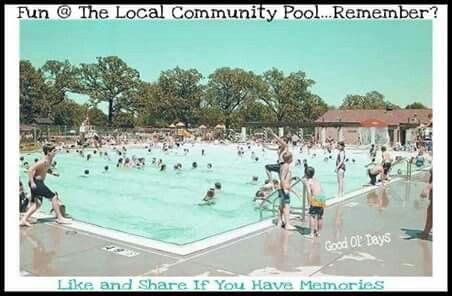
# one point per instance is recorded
(390, 117)
(26, 127)
(40, 120)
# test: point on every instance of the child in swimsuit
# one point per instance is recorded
(316, 200)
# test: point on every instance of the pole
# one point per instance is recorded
(305, 192)
(34, 134)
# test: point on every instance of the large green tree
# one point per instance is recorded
(289, 97)
(149, 105)
(371, 100)
(228, 89)
(253, 111)
(416, 105)
(180, 93)
(110, 80)
(60, 78)
(32, 92)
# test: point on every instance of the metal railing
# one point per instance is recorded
(272, 202)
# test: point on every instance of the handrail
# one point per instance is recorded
(268, 199)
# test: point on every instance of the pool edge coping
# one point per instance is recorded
(190, 248)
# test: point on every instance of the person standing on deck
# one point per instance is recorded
(83, 128)
(37, 174)
(386, 162)
(428, 193)
(340, 168)
(285, 179)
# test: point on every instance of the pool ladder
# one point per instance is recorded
(276, 200)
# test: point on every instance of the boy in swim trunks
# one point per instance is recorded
(37, 174)
(316, 201)
(285, 178)
(386, 162)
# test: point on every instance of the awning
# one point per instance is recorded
(373, 123)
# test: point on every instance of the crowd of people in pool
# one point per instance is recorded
(378, 172)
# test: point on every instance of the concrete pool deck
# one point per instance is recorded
(384, 221)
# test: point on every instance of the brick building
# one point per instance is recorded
(377, 126)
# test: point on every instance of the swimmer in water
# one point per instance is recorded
(85, 173)
(209, 166)
(209, 198)
(119, 164)
(217, 187)
(254, 180)
(194, 165)
(107, 156)
(106, 169)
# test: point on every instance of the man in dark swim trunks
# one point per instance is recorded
(37, 174)
(282, 149)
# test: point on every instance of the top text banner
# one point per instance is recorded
(262, 12)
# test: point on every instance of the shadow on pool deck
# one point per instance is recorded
(383, 221)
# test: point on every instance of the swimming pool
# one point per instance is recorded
(164, 205)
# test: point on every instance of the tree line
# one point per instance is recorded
(232, 96)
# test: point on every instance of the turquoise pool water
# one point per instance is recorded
(164, 205)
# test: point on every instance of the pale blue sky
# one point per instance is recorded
(343, 57)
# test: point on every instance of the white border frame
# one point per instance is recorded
(438, 282)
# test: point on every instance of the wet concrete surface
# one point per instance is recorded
(373, 234)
